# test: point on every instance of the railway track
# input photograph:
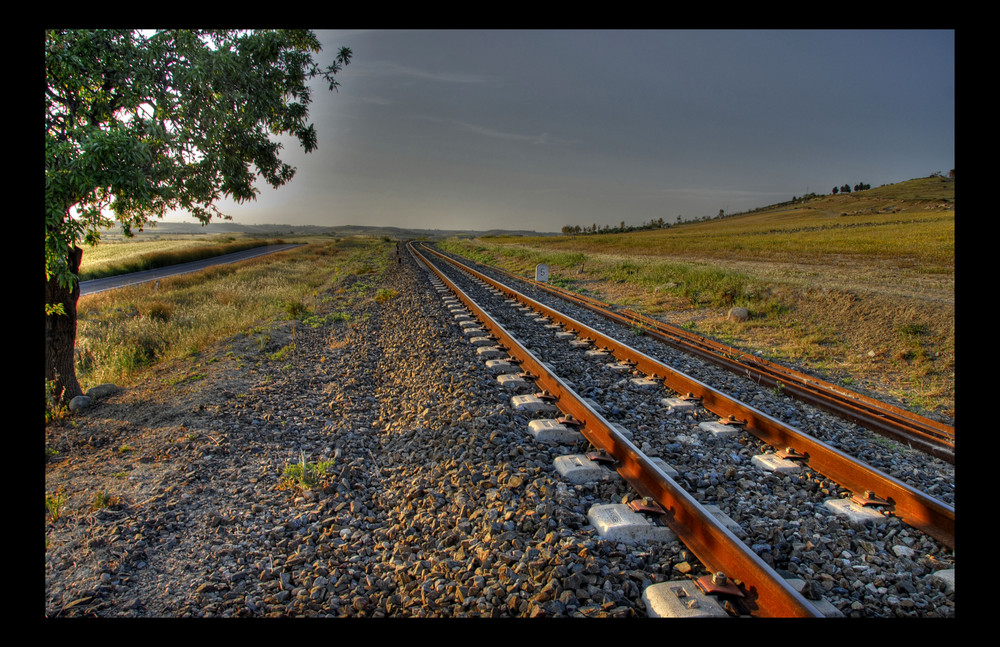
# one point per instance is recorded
(759, 590)
(918, 432)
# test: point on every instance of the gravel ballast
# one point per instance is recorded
(437, 502)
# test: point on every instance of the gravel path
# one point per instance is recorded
(437, 502)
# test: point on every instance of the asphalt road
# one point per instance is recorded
(112, 282)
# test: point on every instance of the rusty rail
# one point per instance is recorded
(766, 593)
(921, 433)
(914, 507)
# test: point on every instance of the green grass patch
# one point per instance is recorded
(54, 504)
(103, 500)
(282, 353)
(699, 283)
(305, 475)
(122, 333)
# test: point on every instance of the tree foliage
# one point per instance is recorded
(141, 123)
(138, 124)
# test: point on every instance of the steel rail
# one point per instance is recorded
(914, 507)
(929, 436)
(921, 433)
(766, 593)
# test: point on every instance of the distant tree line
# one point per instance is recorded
(846, 188)
(657, 223)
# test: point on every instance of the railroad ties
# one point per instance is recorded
(918, 432)
(872, 489)
(741, 583)
(559, 415)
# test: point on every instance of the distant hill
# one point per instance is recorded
(934, 192)
(227, 227)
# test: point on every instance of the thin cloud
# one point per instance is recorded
(388, 67)
(378, 101)
(543, 139)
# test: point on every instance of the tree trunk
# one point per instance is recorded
(60, 334)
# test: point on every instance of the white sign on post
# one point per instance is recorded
(542, 273)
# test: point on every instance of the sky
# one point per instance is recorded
(538, 129)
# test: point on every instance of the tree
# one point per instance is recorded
(138, 124)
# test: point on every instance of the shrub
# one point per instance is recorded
(296, 309)
(54, 504)
(159, 310)
(103, 500)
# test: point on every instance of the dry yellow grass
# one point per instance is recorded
(858, 288)
(123, 332)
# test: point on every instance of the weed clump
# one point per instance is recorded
(296, 309)
(384, 294)
(305, 475)
(54, 504)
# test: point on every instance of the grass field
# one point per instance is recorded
(122, 256)
(859, 288)
(123, 332)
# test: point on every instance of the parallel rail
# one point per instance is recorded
(767, 594)
(914, 507)
(921, 433)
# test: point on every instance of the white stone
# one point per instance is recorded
(853, 511)
(645, 383)
(676, 404)
(513, 381)
(553, 431)
(577, 469)
(774, 463)
(946, 578)
(900, 550)
(619, 522)
(680, 599)
(532, 403)
(717, 429)
(501, 366)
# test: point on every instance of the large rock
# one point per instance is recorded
(102, 391)
(739, 314)
(80, 402)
